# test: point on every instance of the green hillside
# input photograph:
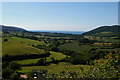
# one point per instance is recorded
(11, 29)
(56, 68)
(19, 46)
(55, 55)
(28, 61)
(94, 54)
(105, 31)
(74, 46)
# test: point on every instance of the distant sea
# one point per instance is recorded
(65, 32)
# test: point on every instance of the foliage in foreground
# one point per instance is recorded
(104, 68)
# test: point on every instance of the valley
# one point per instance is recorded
(61, 56)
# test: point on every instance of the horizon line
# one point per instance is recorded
(60, 1)
(56, 30)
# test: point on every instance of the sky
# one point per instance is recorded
(59, 16)
(60, 0)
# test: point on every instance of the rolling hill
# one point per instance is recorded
(20, 46)
(80, 61)
(11, 29)
(105, 31)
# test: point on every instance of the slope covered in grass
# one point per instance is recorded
(115, 30)
(56, 56)
(55, 68)
(74, 46)
(28, 61)
(19, 46)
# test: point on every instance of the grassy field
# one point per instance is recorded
(19, 46)
(99, 37)
(102, 44)
(75, 47)
(55, 68)
(55, 55)
(28, 61)
(109, 40)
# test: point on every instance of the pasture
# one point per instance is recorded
(55, 55)
(74, 46)
(20, 46)
(55, 68)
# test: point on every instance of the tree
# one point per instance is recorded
(105, 68)
(14, 66)
(53, 60)
(42, 62)
(6, 58)
(9, 70)
(6, 73)
(86, 41)
(5, 40)
(5, 65)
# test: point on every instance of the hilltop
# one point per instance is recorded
(12, 29)
(105, 31)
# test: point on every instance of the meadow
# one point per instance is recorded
(75, 46)
(55, 68)
(20, 46)
(55, 55)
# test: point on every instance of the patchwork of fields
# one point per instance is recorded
(55, 68)
(61, 55)
(75, 47)
(55, 55)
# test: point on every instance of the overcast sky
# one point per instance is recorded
(59, 16)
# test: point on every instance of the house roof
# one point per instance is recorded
(23, 76)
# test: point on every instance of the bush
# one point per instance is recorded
(42, 62)
(14, 66)
(5, 40)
